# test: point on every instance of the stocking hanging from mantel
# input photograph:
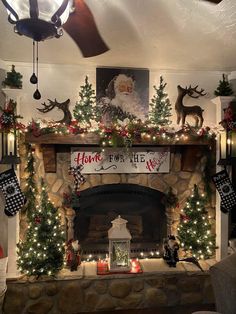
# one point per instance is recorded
(14, 198)
(225, 188)
(78, 177)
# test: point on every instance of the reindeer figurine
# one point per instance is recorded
(64, 106)
(194, 111)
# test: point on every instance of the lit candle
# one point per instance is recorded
(11, 139)
(233, 144)
(223, 139)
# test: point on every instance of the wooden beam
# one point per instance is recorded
(190, 157)
(49, 158)
(94, 139)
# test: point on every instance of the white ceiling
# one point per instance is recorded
(157, 34)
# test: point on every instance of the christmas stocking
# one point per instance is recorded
(11, 190)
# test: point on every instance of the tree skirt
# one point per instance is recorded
(103, 269)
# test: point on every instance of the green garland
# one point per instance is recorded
(30, 190)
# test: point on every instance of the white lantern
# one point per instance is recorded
(119, 245)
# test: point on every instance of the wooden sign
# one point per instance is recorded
(137, 160)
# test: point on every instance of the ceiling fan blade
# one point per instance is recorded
(214, 1)
(82, 28)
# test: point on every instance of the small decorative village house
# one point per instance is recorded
(119, 245)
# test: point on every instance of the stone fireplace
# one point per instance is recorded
(141, 206)
(136, 197)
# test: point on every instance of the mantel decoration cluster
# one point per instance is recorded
(88, 119)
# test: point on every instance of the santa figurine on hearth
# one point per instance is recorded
(171, 248)
(73, 259)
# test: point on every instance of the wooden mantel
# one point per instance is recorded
(51, 143)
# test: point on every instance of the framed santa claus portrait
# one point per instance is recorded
(122, 93)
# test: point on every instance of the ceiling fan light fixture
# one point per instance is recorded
(38, 19)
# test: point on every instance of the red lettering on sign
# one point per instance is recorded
(82, 158)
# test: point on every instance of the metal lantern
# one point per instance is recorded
(38, 19)
(9, 149)
(119, 245)
(227, 148)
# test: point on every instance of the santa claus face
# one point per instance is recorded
(124, 85)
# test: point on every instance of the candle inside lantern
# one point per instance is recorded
(233, 144)
(223, 141)
(11, 139)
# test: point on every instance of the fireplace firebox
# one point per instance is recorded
(141, 206)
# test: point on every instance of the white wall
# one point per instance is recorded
(62, 82)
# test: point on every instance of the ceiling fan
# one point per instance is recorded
(42, 19)
(213, 1)
(82, 28)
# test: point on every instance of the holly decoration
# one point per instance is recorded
(8, 118)
(13, 79)
(194, 230)
(229, 121)
(160, 107)
(224, 88)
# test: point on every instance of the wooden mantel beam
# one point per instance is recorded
(94, 139)
(62, 139)
(51, 143)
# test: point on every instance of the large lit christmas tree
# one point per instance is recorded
(42, 251)
(160, 107)
(84, 110)
(194, 230)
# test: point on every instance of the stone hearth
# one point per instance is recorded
(84, 291)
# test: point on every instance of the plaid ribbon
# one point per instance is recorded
(78, 177)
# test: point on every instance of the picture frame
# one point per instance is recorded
(122, 93)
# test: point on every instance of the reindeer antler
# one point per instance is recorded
(192, 90)
(49, 107)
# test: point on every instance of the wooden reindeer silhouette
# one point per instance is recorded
(64, 106)
(194, 111)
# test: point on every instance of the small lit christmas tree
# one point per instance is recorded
(42, 252)
(224, 88)
(194, 230)
(13, 79)
(160, 107)
(84, 110)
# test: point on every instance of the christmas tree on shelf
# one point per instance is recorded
(224, 88)
(84, 110)
(42, 251)
(194, 230)
(160, 107)
(13, 79)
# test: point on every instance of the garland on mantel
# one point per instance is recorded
(125, 133)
